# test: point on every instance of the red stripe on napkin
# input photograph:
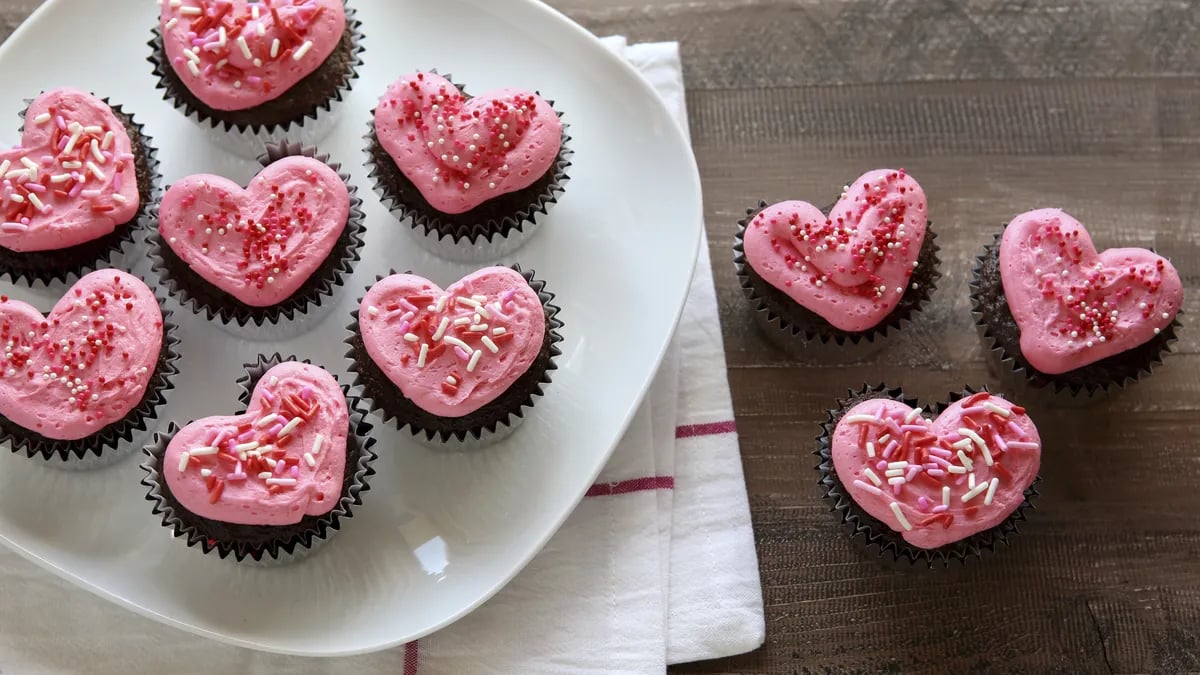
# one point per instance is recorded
(635, 485)
(412, 658)
(710, 429)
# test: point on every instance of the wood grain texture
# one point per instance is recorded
(997, 106)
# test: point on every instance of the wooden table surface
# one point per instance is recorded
(997, 106)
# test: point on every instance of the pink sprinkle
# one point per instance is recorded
(879, 413)
(279, 467)
(268, 397)
(931, 465)
(895, 428)
(506, 296)
(35, 187)
(923, 502)
(974, 410)
(952, 437)
(961, 479)
(246, 436)
(941, 508)
(14, 227)
(1016, 429)
(404, 327)
(238, 468)
(62, 142)
(882, 465)
(212, 438)
(306, 393)
(896, 488)
(124, 157)
(940, 452)
(46, 159)
(462, 353)
(253, 79)
(208, 69)
(914, 428)
(74, 192)
(235, 477)
(912, 473)
(943, 463)
(1023, 445)
(936, 473)
(407, 305)
(276, 429)
(178, 60)
(221, 437)
(60, 122)
(92, 194)
(295, 472)
(891, 447)
(998, 441)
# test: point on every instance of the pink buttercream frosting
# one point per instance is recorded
(282, 460)
(1075, 306)
(948, 478)
(261, 244)
(235, 54)
(852, 266)
(73, 177)
(68, 375)
(462, 151)
(452, 352)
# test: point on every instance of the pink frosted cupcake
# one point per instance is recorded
(1059, 315)
(833, 282)
(927, 488)
(460, 364)
(470, 173)
(262, 257)
(273, 482)
(251, 72)
(78, 384)
(75, 190)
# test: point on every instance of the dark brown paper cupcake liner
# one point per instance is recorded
(330, 83)
(60, 265)
(263, 544)
(802, 333)
(115, 441)
(1002, 339)
(309, 303)
(488, 424)
(875, 535)
(489, 231)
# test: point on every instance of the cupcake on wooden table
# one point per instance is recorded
(75, 190)
(460, 365)
(251, 72)
(1057, 315)
(265, 260)
(273, 483)
(830, 283)
(929, 488)
(470, 173)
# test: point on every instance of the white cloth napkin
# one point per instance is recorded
(656, 566)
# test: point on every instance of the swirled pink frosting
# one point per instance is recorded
(937, 481)
(261, 244)
(462, 151)
(282, 460)
(68, 375)
(452, 352)
(234, 54)
(1075, 306)
(71, 180)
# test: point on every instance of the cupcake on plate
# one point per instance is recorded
(470, 173)
(272, 483)
(264, 260)
(75, 190)
(79, 385)
(832, 282)
(929, 488)
(1059, 316)
(457, 366)
(251, 72)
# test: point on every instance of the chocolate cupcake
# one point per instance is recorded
(79, 386)
(456, 366)
(264, 261)
(929, 490)
(77, 188)
(830, 283)
(249, 73)
(273, 483)
(1056, 315)
(470, 174)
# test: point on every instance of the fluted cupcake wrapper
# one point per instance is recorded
(487, 233)
(803, 334)
(264, 545)
(58, 267)
(876, 536)
(115, 441)
(1082, 386)
(485, 426)
(304, 308)
(309, 126)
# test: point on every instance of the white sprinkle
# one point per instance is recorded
(962, 445)
(266, 421)
(991, 491)
(462, 321)
(42, 119)
(946, 496)
(455, 342)
(912, 415)
(869, 488)
(900, 517)
(487, 342)
(974, 438)
(172, 23)
(246, 447)
(871, 475)
(421, 357)
(119, 198)
(274, 381)
(373, 310)
(1004, 412)
(411, 337)
(441, 328)
(275, 48)
(287, 482)
(192, 56)
(244, 47)
(265, 475)
(183, 462)
(317, 444)
(474, 361)
(861, 419)
(290, 427)
(957, 469)
(966, 461)
(37, 203)
(451, 381)
(191, 11)
(299, 53)
(892, 473)
(896, 480)
(975, 492)
(971, 481)
(204, 452)
(499, 331)
(206, 472)
(309, 459)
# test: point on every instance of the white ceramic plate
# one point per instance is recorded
(439, 532)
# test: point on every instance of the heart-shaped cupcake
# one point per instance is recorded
(281, 460)
(461, 151)
(452, 352)
(68, 375)
(73, 177)
(261, 244)
(235, 54)
(937, 482)
(1075, 306)
(853, 266)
